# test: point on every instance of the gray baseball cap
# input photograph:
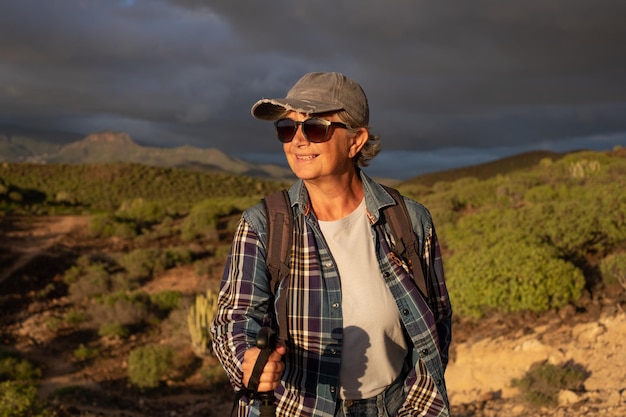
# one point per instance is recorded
(318, 92)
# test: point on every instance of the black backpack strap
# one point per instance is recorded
(279, 242)
(406, 246)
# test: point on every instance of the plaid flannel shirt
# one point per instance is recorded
(310, 384)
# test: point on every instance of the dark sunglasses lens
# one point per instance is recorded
(285, 130)
(315, 130)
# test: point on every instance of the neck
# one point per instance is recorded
(333, 201)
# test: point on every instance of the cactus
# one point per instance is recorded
(199, 319)
(583, 168)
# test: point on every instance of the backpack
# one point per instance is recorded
(280, 237)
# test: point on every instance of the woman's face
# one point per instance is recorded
(325, 160)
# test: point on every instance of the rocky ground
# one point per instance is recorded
(592, 339)
(486, 356)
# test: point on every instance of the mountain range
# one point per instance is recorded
(35, 147)
(19, 144)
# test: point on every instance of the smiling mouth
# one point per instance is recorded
(306, 157)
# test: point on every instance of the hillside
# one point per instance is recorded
(99, 262)
(109, 147)
(105, 187)
(485, 170)
(487, 355)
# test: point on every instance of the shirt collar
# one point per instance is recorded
(376, 197)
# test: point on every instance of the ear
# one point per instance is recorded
(358, 141)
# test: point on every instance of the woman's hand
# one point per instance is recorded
(270, 377)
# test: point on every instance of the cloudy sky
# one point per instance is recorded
(450, 83)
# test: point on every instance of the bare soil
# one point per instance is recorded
(485, 356)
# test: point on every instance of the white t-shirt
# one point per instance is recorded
(374, 348)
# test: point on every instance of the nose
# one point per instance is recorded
(298, 138)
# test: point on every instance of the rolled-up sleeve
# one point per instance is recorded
(243, 301)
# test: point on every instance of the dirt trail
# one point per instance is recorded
(26, 238)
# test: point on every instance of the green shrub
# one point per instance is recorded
(148, 365)
(64, 197)
(142, 211)
(73, 273)
(113, 330)
(14, 368)
(125, 230)
(20, 400)
(176, 257)
(84, 353)
(166, 300)
(46, 291)
(511, 276)
(101, 225)
(613, 269)
(87, 282)
(121, 281)
(141, 263)
(203, 217)
(540, 386)
(75, 317)
(166, 228)
(53, 323)
(108, 225)
(120, 307)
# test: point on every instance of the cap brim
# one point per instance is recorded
(273, 109)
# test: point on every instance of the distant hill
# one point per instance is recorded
(119, 147)
(20, 144)
(485, 170)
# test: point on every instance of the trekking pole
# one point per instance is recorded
(266, 341)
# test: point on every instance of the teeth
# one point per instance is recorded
(306, 156)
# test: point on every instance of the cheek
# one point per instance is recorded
(287, 149)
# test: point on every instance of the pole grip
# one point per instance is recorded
(266, 338)
(266, 341)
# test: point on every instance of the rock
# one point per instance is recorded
(614, 399)
(588, 334)
(567, 397)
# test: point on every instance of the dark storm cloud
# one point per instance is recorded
(461, 73)
(456, 74)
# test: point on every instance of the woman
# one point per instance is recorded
(362, 340)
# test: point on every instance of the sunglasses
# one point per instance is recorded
(314, 129)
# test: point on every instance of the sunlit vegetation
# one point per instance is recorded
(541, 384)
(148, 365)
(531, 237)
(18, 389)
(144, 194)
